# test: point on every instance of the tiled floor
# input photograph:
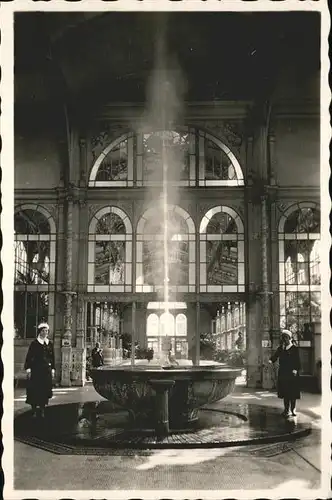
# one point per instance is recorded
(217, 469)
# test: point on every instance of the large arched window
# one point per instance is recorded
(110, 251)
(34, 282)
(221, 251)
(150, 275)
(188, 157)
(299, 273)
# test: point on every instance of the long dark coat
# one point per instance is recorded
(40, 359)
(288, 384)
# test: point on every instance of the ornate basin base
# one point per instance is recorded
(164, 397)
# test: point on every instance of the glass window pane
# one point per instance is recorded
(153, 263)
(19, 313)
(110, 263)
(153, 325)
(302, 308)
(176, 225)
(166, 149)
(114, 167)
(315, 306)
(303, 277)
(30, 309)
(221, 261)
(302, 262)
(178, 260)
(110, 224)
(221, 223)
(290, 271)
(30, 221)
(304, 220)
(218, 165)
(181, 325)
(32, 262)
(315, 276)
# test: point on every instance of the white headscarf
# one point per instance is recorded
(290, 335)
(40, 327)
(43, 325)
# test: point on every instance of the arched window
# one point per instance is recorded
(150, 270)
(143, 159)
(166, 325)
(299, 273)
(181, 325)
(110, 251)
(152, 327)
(167, 330)
(114, 166)
(34, 281)
(221, 251)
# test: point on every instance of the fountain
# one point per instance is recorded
(164, 393)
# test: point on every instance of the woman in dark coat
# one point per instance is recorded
(40, 368)
(288, 384)
(97, 357)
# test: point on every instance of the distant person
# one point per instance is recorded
(97, 358)
(149, 354)
(288, 384)
(171, 358)
(40, 369)
(239, 342)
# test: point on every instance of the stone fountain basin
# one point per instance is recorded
(129, 387)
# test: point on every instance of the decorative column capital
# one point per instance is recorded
(75, 194)
(71, 192)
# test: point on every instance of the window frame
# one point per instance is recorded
(49, 287)
(204, 237)
(197, 161)
(294, 288)
(92, 240)
(190, 237)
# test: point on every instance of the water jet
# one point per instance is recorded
(161, 392)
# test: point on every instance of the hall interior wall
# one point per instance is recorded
(40, 174)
